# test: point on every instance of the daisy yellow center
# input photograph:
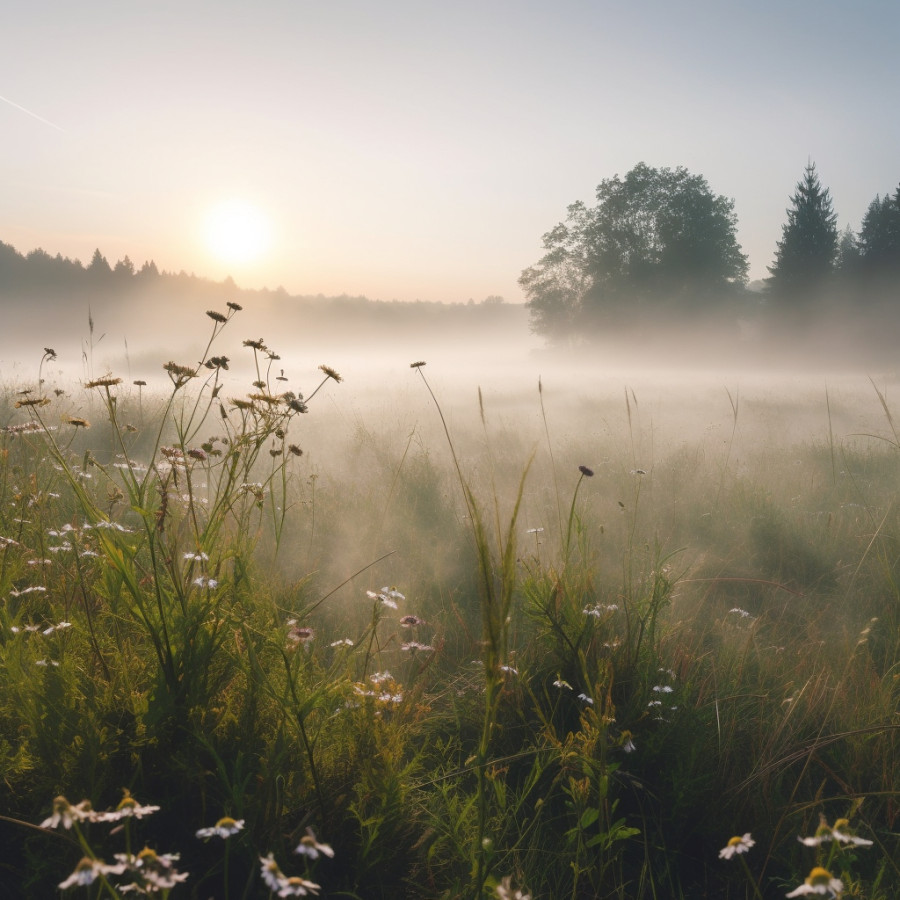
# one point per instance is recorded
(225, 822)
(819, 876)
(735, 841)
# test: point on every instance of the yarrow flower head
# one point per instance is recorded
(588, 473)
(819, 881)
(224, 828)
(737, 844)
(310, 847)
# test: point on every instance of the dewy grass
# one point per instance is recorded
(527, 724)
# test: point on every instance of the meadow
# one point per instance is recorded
(412, 632)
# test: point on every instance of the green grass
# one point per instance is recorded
(607, 675)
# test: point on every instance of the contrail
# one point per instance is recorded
(30, 113)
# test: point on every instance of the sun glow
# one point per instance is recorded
(237, 232)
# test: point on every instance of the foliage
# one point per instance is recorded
(879, 236)
(805, 256)
(658, 241)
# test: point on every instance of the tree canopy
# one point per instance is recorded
(657, 240)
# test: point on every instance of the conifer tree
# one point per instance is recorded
(806, 254)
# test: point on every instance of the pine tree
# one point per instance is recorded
(806, 254)
(879, 237)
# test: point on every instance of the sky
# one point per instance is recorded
(415, 150)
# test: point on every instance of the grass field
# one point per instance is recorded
(472, 634)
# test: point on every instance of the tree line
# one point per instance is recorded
(660, 246)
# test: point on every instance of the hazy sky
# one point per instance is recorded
(420, 150)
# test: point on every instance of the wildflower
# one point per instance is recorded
(199, 556)
(638, 471)
(234, 307)
(561, 683)
(379, 677)
(293, 448)
(271, 873)
(50, 353)
(225, 827)
(140, 382)
(663, 688)
(300, 635)
(105, 381)
(331, 373)
(585, 699)
(417, 365)
(343, 642)
(32, 401)
(736, 845)
(740, 612)
(198, 454)
(819, 881)
(156, 870)
(588, 473)
(216, 316)
(87, 871)
(413, 646)
(180, 375)
(295, 886)
(77, 422)
(411, 621)
(65, 814)
(534, 531)
(824, 834)
(505, 891)
(310, 847)
(256, 345)
(628, 746)
(509, 670)
(383, 598)
(205, 581)
(128, 808)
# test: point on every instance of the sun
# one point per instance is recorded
(237, 232)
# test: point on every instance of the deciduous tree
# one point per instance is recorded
(657, 242)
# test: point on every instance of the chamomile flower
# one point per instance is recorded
(824, 834)
(128, 808)
(225, 827)
(88, 871)
(737, 844)
(271, 873)
(65, 814)
(155, 871)
(819, 881)
(310, 847)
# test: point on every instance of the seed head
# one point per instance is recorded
(417, 365)
(331, 373)
(216, 316)
(588, 473)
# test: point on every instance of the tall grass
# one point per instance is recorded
(472, 664)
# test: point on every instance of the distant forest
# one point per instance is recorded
(660, 248)
(654, 268)
(50, 299)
